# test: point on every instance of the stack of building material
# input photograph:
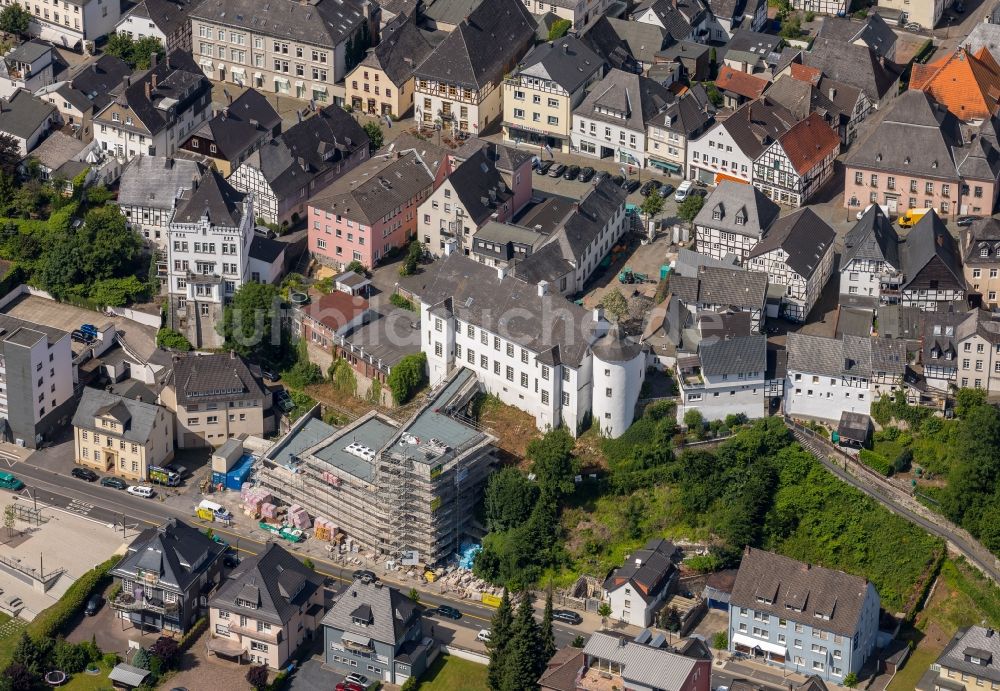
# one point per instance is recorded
(268, 512)
(325, 529)
(298, 517)
(253, 499)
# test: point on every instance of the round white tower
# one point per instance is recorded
(619, 370)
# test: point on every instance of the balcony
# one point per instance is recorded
(275, 635)
(129, 603)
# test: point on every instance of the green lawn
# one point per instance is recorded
(919, 662)
(10, 633)
(90, 682)
(453, 674)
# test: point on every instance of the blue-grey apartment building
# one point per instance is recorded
(801, 617)
(375, 630)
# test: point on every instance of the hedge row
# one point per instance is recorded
(876, 462)
(188, 639)
(50, 622)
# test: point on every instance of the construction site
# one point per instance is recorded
(404, 491)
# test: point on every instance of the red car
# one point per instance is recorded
(349, 686)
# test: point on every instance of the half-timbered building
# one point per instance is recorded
(732, 220)
(932, 265)
(792, 169)
(870, 268)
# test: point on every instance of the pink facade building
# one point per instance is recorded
(369, 211)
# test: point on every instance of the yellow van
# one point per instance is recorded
(911, 217)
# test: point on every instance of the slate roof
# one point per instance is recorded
(873, 31)
(473, 293)
(648, 569)
(214, 197)
(178, 79)
(324, 23)
(374, 189)
(93, 83)
(156, 181)
(932, 132)
(449, 11)
(175, 551)
(547, 263)
(802, 97)
(849, 355)
(641, 665)
(690, 114)
(28, 52)
(505, 26)
(506, 159)
(740, 83)
(819, 592)
(980, 158)
(392, 613)
(857, 65)
(982, 232)
(265, 249)
(639, 99)
(474, 181)
(732, 199)
(873, 238)
(739, 355)
(601, 37)
(168, 16)
(245, 122)
(568, 62)
(588, 219)
(804, 237)
(23, 113)
(928, 239)
(731, 287)
(754, 42)
(614, 346)
(274, 580)
(854, 426)
(808, 143)
(677, 17)
(973, 641)
(402, 48)
(138, 419)
(213, 378)
(643, 40)
(308, 149)
(57, 149)
(967, 84)
(757, 124)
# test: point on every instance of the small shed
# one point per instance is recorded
(719, 588)
(854, 430)
(125, 676)
(352, 283)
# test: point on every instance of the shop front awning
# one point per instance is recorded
(667, 166)
(747, 641)
(719, 177)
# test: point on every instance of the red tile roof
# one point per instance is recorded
(966, 84)
(740, 83)
(336, 309)
(804, 73)
(809, 142)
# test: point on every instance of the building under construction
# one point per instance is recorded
(391, 488)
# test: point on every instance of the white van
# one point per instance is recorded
(140, 491)
(683, 191)
(219, 512)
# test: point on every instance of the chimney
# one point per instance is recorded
(565, 48)
(153, 57)
(232, 354)
(832, 93)
(638, 562)
(148, 91)
(254, 123)
(543, 288)
(128, 80)
(501, 273)
(154, 79)
(170, 162)
(989, 633)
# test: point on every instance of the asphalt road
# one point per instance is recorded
(133, 514)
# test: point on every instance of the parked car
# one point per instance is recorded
(964, 221)
(449, 612)
(84, 474)
(618, 180)
(630, 185)
(543, 167)
(683, 191)
(700, 191)
(365, 575)
(349, 686)
(600, 175)
(93, 604)
(666, 190)
(483, 636)
(269, 373)
(80, 337)
(359, 679)
(113, 482)
(557, 170)
(140, 491)
(567, 616)
(649, 187)
(265, 232)
(230, 561)
(913, 26)
(571, 173)
(586, 174)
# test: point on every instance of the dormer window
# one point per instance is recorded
(937, 329)
(741, 219)
(984, 252)
(949, 331)
(716, 215)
